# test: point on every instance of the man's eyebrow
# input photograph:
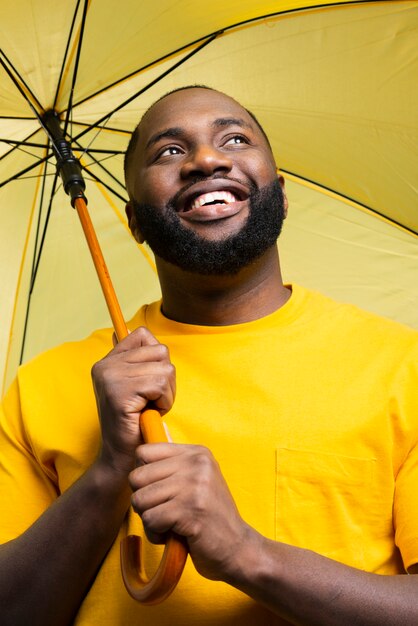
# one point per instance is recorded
(175, 131)
(231, 121)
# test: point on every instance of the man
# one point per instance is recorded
(294, 479)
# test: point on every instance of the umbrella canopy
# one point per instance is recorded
(333, 83)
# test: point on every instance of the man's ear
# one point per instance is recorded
(282, 185)
(133, 225)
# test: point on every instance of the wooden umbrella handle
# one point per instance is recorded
(175, 553)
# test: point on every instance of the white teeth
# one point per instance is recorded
(206, 198)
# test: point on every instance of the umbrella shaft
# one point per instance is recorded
(113, 306)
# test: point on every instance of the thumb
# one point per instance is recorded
(115, 339)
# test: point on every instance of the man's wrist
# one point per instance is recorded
(109, 475)
(251, 562)
(117, 463)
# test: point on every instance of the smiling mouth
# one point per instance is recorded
(210, 199)
(212, 206)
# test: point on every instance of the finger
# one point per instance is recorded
(154, 494)
(157, 352)
(133, 394)
(160, 519)
(141, 336)
(145, 475)
(115, 340)
(152, 452)
(137, 369)
(157, 539)
(159, 389)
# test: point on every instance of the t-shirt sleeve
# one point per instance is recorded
(405, 511)
(26, 490)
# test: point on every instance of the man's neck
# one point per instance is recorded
(256, 291)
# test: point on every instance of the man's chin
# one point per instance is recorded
(218, 229)
(216, 248)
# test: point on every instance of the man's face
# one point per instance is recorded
(203, 176)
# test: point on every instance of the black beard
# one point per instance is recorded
(170, 240)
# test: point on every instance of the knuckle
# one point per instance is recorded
(138, 336)
(102, 375)
(203, 454)
(202, 459)
(135, 501)
(140, 457)
(171, 370)
(161, 384)
(96, 370)
(163, 352)
(107, 377)
(147, 519)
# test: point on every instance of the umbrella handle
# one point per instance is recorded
(175, 553)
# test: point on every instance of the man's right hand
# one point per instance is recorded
(136, 373)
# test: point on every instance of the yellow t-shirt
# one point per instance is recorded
(311, 412)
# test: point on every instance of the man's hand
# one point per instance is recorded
(181, 488)
(136, 373)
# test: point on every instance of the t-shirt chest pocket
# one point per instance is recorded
(321, 502)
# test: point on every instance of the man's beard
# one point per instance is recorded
(170, 240)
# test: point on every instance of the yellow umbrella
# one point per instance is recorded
(333, 83)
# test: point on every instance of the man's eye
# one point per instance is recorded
(236, 140)
(169, 151)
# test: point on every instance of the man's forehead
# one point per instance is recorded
(175, 109)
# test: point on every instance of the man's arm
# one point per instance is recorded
(181, 488)
(47, 571)
(307, 588)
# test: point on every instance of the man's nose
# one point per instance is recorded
(205, 160)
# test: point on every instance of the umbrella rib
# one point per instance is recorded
(216, 33)
(28, 305)
(22, 91)
(26, 169)
(145, 67)
(20, 146)
(41, 246)
(16, 82)
(153, 82)
(109, 128)
(32, 144)
(101, 165)
(76, 64)
(99, 180)
(104, 158)
(15, 117)
(67, 47)
(18, 142)
(343, 196)
(102, 151)
(38, 226)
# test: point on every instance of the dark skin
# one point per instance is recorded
(175, 485)
(229, 145)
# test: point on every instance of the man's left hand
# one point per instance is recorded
(181, 488)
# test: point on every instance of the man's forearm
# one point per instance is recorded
(46, 572)
(309, 589)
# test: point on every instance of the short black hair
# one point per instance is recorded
(135, 134)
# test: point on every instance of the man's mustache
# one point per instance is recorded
(173, 202)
